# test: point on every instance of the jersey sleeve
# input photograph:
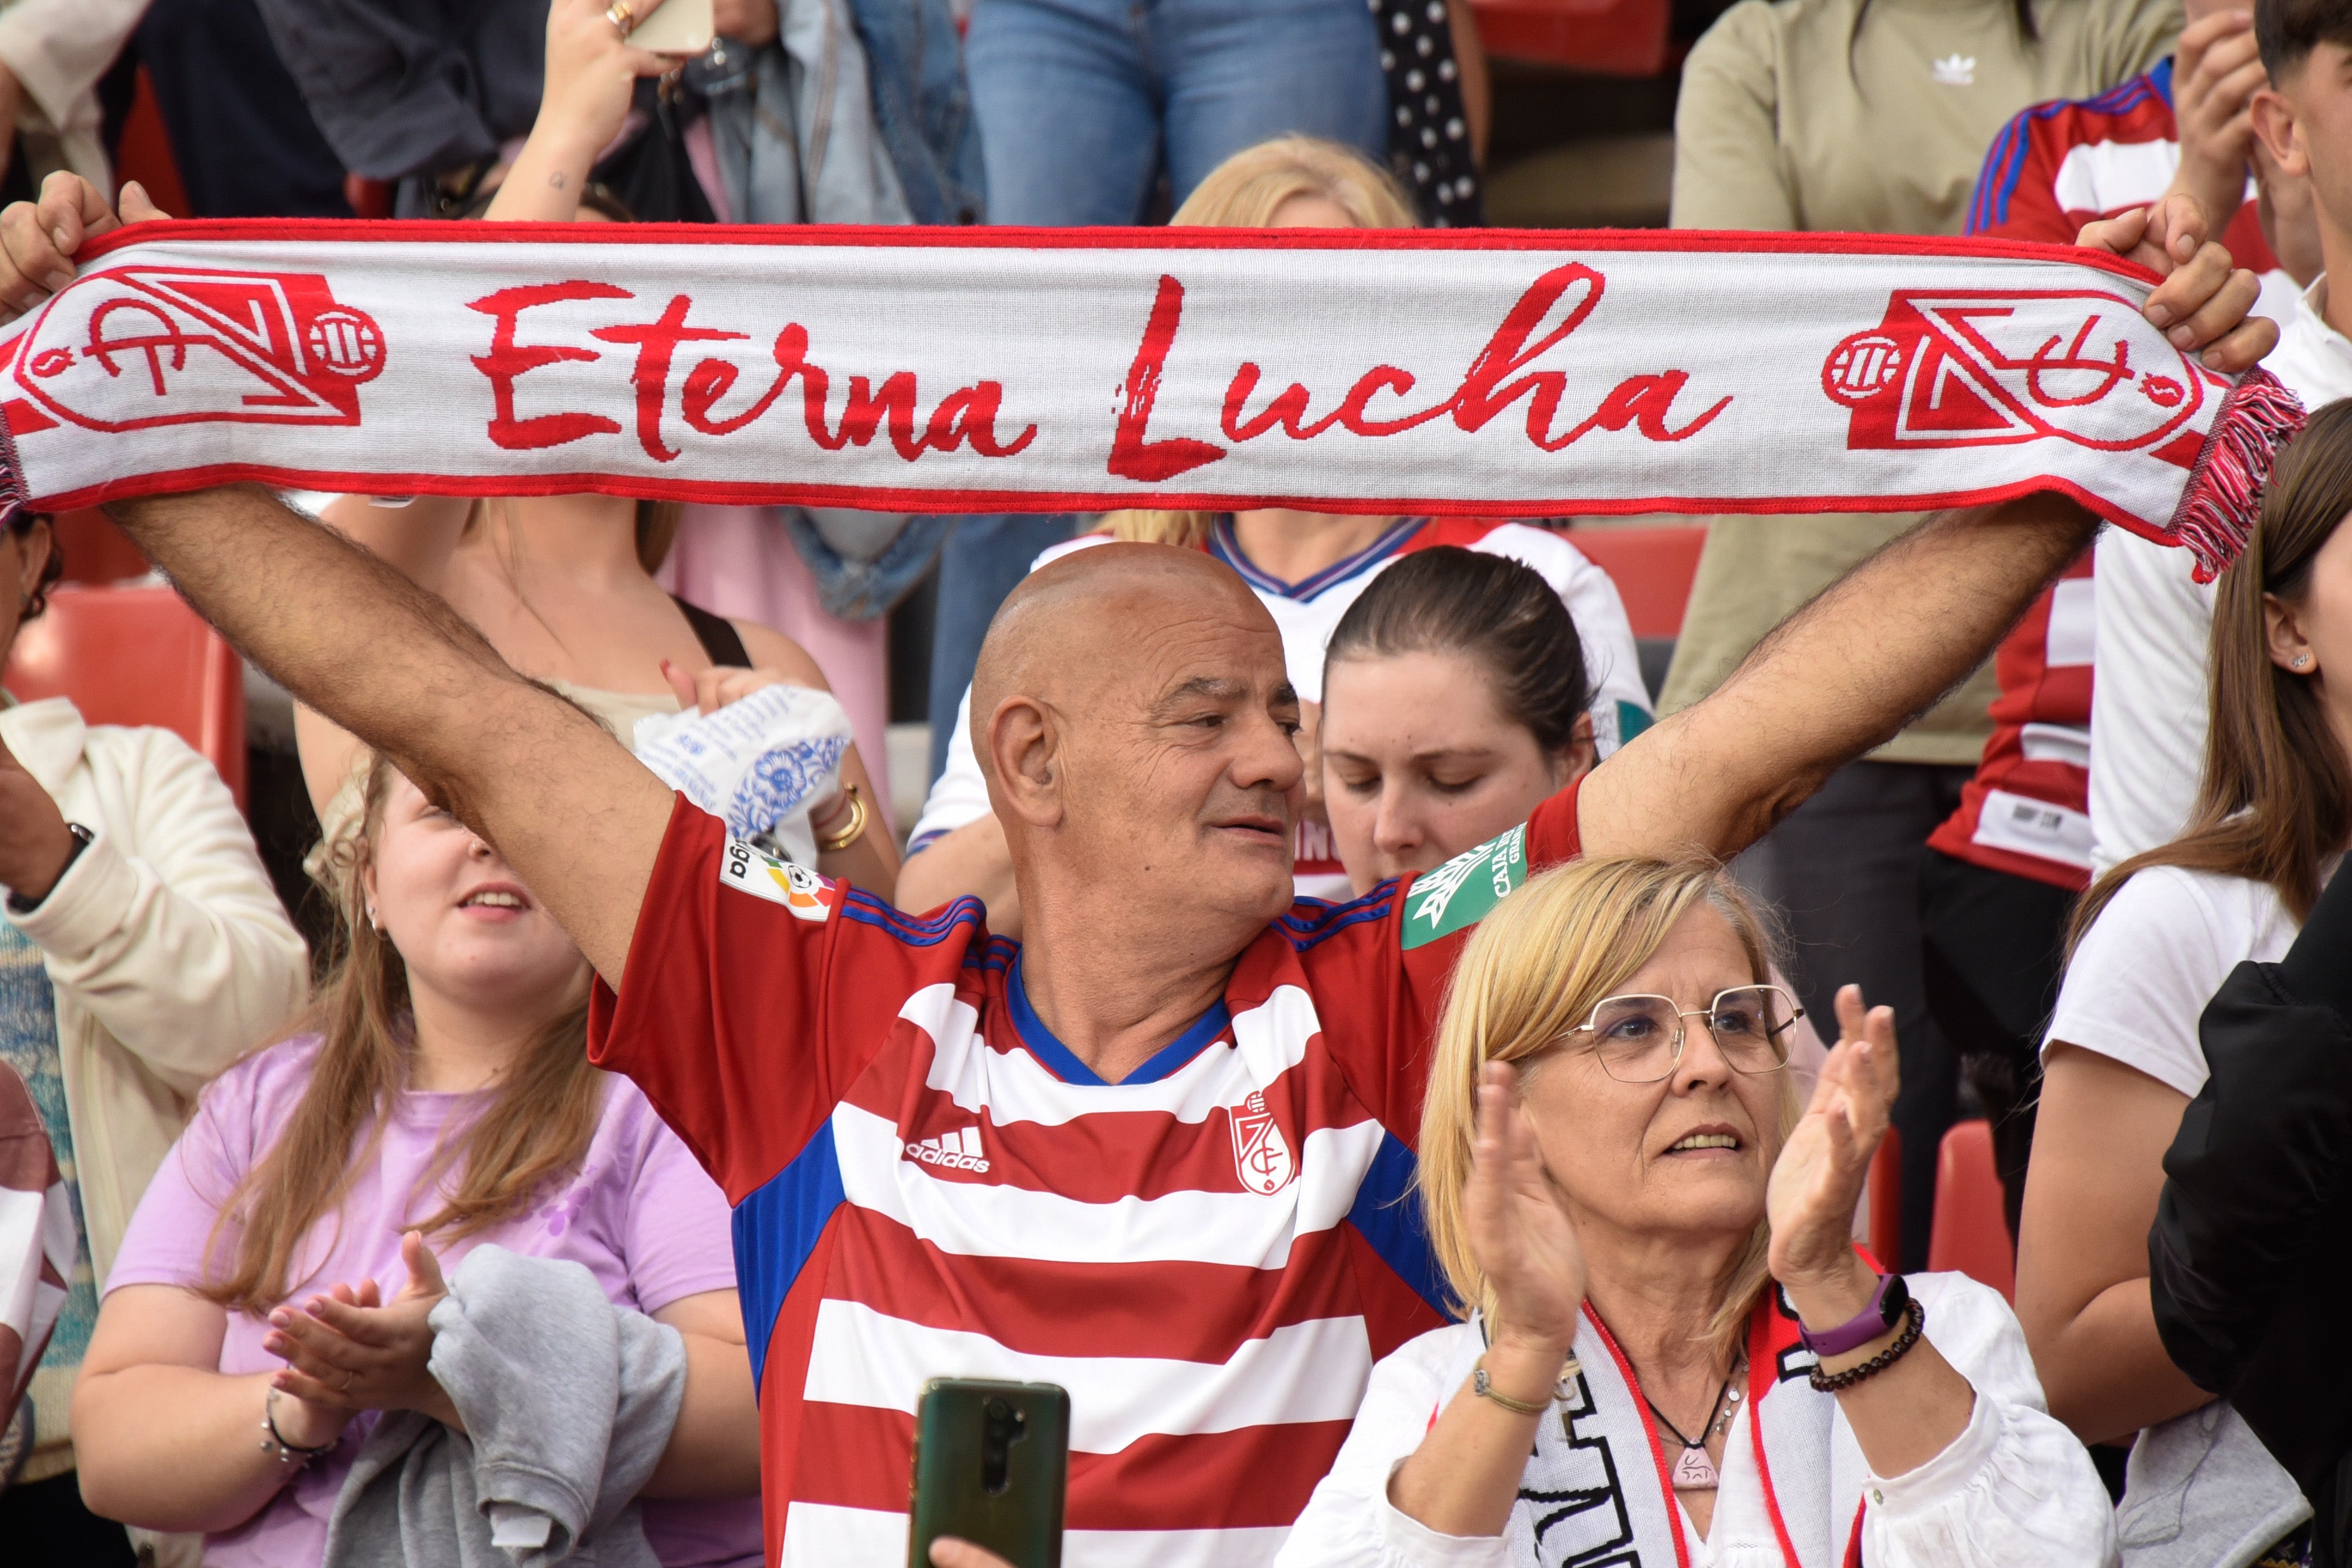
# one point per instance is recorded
(734, 1016)
(2017, 190)
(1382, 964)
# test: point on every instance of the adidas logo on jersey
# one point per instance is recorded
(951, 1150)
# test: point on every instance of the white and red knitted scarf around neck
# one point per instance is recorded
(1493, 373)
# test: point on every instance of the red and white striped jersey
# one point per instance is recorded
(2027, 811)
(1209, 1255)
(2059, 165)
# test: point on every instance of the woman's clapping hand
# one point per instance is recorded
(343, 1351)
(1820, 1172)
(1520, 1235)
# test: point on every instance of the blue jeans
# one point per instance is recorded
(1082, 103)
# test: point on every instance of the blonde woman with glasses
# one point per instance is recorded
(1671, 1348)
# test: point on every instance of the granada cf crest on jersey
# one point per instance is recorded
(1970, 367)
(142, 346)
(1260, 1151)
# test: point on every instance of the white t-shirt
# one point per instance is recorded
(2159, 952)
(2133, 993)
(1307, 613)
(2148, 725)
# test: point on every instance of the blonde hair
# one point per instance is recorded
(1245, 191)
(1534, 970)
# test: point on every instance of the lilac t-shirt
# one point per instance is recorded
(641, 1215)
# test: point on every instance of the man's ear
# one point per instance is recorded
(1025, 757)
(2281, 132)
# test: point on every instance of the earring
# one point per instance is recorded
(373, 924)
(2302, 661)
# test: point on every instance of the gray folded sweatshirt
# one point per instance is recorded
(568, 1404)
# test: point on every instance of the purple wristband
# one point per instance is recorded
(1885, 1311)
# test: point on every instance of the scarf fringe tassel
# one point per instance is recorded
(2224, 498)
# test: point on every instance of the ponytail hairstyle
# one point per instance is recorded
(1245, 191)
(2276, 796)
(535, 1129)
(1497, 611)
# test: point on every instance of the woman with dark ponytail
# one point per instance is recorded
(1455, 701)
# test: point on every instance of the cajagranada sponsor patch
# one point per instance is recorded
(1458, 894)
(755, 871)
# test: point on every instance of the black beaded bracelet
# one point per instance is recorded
(1914, 1321)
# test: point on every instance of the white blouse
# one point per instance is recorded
(2013, 1489)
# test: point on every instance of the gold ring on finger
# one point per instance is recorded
(619, 13)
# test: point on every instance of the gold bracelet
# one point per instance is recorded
(1563, 1386)
(833, 843)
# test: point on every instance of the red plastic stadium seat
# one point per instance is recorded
(145, 154)
(1885, 1187)
(1653, 568)
(95, 549)
(138, 656)
(1615, 38)
(1970, 1234)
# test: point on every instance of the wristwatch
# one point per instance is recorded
(20, 905)
(1883, 1313)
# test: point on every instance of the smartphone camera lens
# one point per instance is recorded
(998, 1410)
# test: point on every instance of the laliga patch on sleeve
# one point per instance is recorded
(754, 871)
(1460, 893)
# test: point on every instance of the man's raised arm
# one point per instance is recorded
(1839, 677)
(1881, 644)
(563, 800)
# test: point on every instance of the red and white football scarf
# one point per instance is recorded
(1496, 374)
(1596, 1488)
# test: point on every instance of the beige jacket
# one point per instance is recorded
(165, 946)
(57, 50)
(1871, 116)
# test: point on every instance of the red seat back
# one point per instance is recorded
(1653, 568)
(1971, 1233)
(96, 551)
(1618, 37)
(137, 656)
(1885, 1189)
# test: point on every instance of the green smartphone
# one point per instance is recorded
(992, 1467)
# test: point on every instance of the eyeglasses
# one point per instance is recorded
(1639, 1038)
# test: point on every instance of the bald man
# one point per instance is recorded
(1162, 1154)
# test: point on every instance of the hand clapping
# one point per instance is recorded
(345, 1352)
(1523, 1241)
(1823, 1167)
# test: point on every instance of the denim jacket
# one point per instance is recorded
(924, 107)
(814, 128)
(857, 113)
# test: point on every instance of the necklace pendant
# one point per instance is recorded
(1694, 1471)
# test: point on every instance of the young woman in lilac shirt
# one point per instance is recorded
(281, 1266)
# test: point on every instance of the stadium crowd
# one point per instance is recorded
(1418, 1082)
